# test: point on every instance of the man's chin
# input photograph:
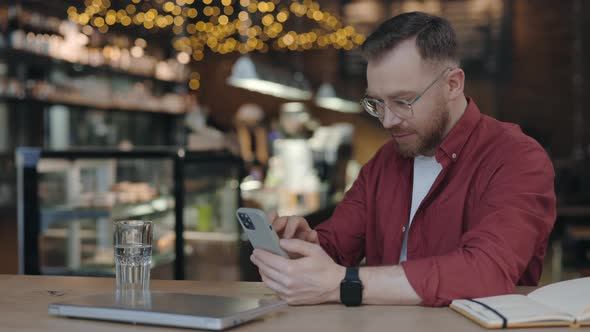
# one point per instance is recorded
(406, 151)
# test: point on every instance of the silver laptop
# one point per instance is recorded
(169, 309)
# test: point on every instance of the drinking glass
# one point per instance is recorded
(133, 254)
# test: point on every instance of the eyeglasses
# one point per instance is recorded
(403, 109)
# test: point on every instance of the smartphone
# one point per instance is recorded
(259, 230)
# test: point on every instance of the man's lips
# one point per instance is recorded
(401, 135)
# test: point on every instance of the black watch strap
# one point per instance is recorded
(352, 273)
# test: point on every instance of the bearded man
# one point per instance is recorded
(456, 205)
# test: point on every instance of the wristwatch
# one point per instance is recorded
(351, 288)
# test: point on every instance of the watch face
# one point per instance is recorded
(351, 292)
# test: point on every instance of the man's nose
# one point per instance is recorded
(390, 119)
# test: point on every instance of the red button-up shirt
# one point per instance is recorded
(482, 228)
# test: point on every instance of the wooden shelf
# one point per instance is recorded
(83, 105)
(40, 59)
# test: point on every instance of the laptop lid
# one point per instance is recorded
(168, 309)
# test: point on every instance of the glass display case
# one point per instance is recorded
(67, 201)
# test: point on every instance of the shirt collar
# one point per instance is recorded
(459, 134)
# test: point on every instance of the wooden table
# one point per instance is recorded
(24, 300)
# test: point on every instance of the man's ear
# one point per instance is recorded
(456, 83)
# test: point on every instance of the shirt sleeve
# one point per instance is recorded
(342, 236)
(516, 212)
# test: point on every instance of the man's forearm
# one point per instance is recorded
(387, 285)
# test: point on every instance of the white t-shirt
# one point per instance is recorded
(426, 170)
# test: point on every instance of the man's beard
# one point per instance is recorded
(428, 141)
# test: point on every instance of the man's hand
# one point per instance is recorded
(313, 278)
(294, 227)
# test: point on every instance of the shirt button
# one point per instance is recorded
(404, 229)
(454, 156)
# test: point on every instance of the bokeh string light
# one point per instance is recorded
(223, 26)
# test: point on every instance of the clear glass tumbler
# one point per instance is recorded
(133, 254)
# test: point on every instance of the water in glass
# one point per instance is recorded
(133, 262)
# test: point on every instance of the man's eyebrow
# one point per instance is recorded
(368, 95)
(397, 94)
(393, 95)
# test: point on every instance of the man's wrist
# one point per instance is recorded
(339, 274)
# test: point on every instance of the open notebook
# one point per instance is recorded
(565, 303)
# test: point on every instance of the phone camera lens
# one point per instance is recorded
(246, 221)
(249, 224)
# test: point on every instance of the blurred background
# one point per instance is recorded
(179, 111)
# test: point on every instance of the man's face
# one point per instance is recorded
(401, 74)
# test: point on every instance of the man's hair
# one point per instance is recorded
(435, 37)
